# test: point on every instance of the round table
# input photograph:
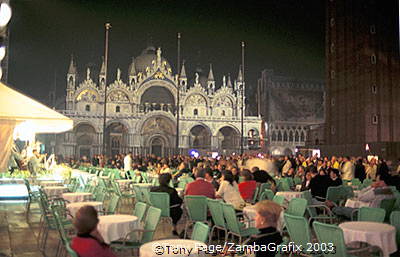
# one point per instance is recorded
(289, 195)
(374, 233)
(173, 247)
(143, 184)
(354, 203)
(114, 227)
(76, 197)
(250, 213)
(74, 207)
(55, 190)
(50, 183)
(124, 183)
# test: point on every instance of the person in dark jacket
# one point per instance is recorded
(319, 184)
(267, 215)
(334, 176)
(174, 200)
(359, 171)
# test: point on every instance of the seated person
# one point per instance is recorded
(248, 187)
(335, 179)
(373, 195)
(305, 185)
(229, 191)
(210, 178)
(266, 220)
(319, 183)
(174, 200)
(89, 242)
(200, 186)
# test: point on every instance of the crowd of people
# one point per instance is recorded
(234, 180)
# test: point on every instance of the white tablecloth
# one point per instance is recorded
(289, 195)
(124, 183)
(353, 203)
(76, 197)
(74, 207)
(50, 183)
(143, 184)
(173, 247)
(55, 190)
(374, 233)
(250, 214)
(114, 227)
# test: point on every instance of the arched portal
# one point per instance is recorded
(158, 135)
(85, 138)
(157, 98)
(116, 138)
(228, 139)
(200, 137)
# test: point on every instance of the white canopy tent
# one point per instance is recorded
(23, 117)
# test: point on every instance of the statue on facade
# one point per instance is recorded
(118, 74)
(159, 56)
(88, 74)
(196, 78)
(224, 81)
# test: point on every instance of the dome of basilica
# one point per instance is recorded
(146, 58)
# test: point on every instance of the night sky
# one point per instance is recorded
(287, 36)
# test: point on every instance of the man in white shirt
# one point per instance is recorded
(286, 167)
(128, 163)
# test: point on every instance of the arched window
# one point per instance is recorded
(223, 113)
(273, 138)
(118, 109)
(87, 108)
(195, 112)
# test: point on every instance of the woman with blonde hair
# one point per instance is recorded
(266, 220)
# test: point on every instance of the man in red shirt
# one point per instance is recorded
(200, 186)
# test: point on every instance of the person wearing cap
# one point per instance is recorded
(88, 241)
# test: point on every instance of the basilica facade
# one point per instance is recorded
(142, 111)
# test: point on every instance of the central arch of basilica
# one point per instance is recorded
(141, 112)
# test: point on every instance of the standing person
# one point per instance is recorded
(371, 169)
(287, 164)
(347, 169)
(33, 163)
(359, 171)
(127, 164)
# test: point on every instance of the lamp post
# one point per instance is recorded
(107, 27)
(242, 106)
(177, 96)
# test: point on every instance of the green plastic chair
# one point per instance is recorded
(279, 199)
(395, 221)
(299, 231)
(70, 251)
(356, 182)
(64, 238)
(196, 207)
(217, 215)
(138, 194)
(137, 237)
(335, 194)
(262, 188)
(388, 205)
(283, 185)
(256, 195)
(332, 235)
(112, 205)
(297, 181)
(371, 214)
(32, 197)
(268, 194)
(124, 195)
(367, 182)
(200, 232)
(317, 211)
(236, 228)
(297, 207)
(161, 201)
(140, 210)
